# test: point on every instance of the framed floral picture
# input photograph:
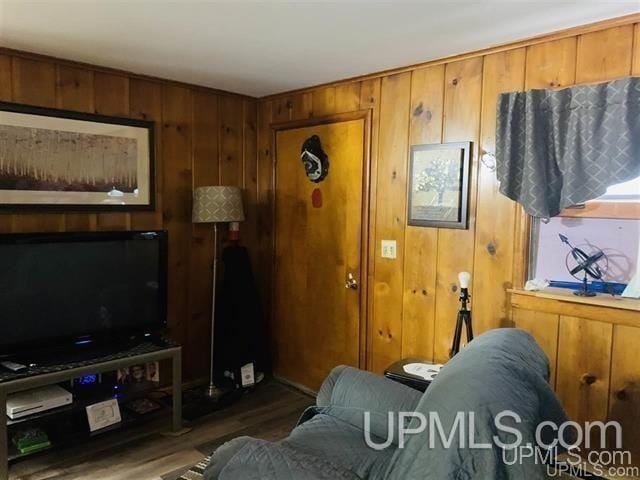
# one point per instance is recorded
(58, 159)
(439, 185)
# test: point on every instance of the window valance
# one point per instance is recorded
(557, 148)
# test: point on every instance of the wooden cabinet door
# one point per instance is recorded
(624, 397)
(318, 226)
(584, 366)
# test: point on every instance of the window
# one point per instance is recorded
(626, 192)
(610, 223)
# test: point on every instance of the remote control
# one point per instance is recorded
(13, 366)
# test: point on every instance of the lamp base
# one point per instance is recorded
(213, 392)
(199, 402)
(584, 293)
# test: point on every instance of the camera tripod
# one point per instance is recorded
(464, 318)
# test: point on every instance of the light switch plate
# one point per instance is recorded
(388, 249)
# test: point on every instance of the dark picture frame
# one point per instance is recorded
(439, 185)
(62, 160)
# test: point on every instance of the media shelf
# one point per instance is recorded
(80, 405)
(68, 426)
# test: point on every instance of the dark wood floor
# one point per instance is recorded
(269, 412)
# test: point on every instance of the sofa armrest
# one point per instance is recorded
(348, 393)
(353, 388)
(251, 459)
(223, 454)
(326, 389)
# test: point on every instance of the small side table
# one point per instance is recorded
(396, 373)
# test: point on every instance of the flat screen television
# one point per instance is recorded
(60, 289)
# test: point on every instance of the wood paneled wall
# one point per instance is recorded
(203, 137)
(413, 299)
(594, 365)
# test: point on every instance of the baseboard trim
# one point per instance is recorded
(297, 386)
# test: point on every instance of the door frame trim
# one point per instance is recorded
(366, 259)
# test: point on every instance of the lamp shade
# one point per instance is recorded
(217, 204)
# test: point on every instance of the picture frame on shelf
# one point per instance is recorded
(64, 160)
(439, 185)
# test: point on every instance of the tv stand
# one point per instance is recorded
(41, 375)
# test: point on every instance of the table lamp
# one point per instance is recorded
(216, 205)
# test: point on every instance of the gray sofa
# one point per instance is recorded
(500, 370)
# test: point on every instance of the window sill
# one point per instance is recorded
(605, 209)
(562, 301)
(566, 295)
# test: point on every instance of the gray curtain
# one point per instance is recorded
(557, 148)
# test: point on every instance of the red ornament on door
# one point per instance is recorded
(316, 198)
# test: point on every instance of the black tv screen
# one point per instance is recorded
(80, 286)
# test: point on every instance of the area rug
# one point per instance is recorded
(196, 472)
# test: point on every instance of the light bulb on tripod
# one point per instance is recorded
(464, 314)
(465, 279)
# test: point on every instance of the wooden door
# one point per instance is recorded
(318, 235)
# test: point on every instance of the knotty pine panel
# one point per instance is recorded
(249, 228)
(347, 97)
(324, 102)
(462, 105)
(33, 82)
(282, 109)
(5, 78)
(386, 324)
(264, 209)
(421, 244)
(145, 103)
(624, 397)
(301, 106)
(635, 70)
(176, 208)
(206, 171)
(551, 64)
(231, 148)
(584, 366)
(496, 214)
(74, 89)
(297, 106)
(604, 55)
(544, 328)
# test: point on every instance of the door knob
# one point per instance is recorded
(351, 282)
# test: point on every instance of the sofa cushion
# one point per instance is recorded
(341, 442)
(263, 460)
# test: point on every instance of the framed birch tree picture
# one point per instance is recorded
(58, 159)
(439, 185)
